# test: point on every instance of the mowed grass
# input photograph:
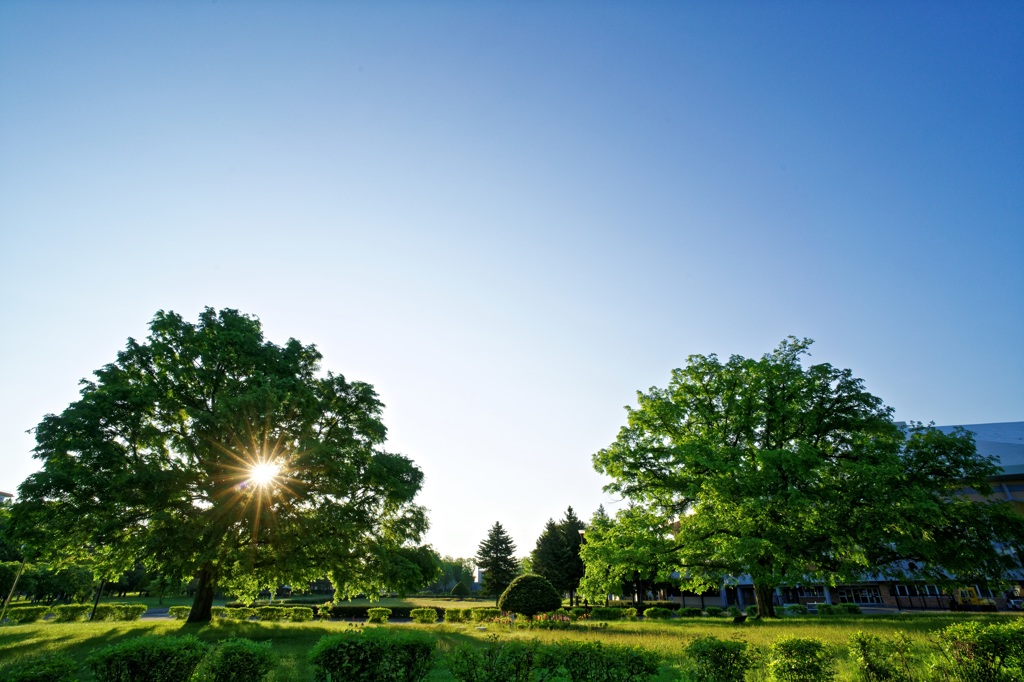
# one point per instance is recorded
(292, 641)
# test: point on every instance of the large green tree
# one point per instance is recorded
(790, 474)
(556, 555)
(496, 555)
(208, 451)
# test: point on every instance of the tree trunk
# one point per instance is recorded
(202, 604)
(765, 605)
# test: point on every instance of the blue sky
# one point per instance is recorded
(509, 217)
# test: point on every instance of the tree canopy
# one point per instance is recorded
(556, 555)
(496, 555)
(207, 451)
(791, 474)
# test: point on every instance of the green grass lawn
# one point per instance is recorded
(292, 641)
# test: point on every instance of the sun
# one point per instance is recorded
(264, 473)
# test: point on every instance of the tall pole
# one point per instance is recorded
(97, 602)
(13, 585)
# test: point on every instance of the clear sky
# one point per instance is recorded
(510, 216)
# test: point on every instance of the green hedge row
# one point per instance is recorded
(68, 613)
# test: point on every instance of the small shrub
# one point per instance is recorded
(578, 612)
(594, 662)
(119, 612)
(272, 613)
(57, 667)
(372, 655)
(715, 660)
(714, 610)
(796, 609)
(972, 652)
(881, 660)
(324, 610)
(603, 613)
(827, 610)
(733, 611)
(239, 660)
(529, 595)
(242, 613)
(506, 661)
(460, 590)
(690, 612)
(179, 612)
(377, 615)
(455, 615)
(484, 613)
(27, 614)
(151, 658)
(752, 611)
(424, 616)
(657, 613)
(68, 613)
(795, 659)
(852, 609)
(628, 614)
(300, 614)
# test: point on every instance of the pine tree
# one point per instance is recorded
(496, 556)
(557, 554)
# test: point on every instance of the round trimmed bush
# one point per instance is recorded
(529, 595)
(460, 590)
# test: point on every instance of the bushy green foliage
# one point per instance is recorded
(119, 611)
(657, 613)
(179, 612)
(594, 662)
(452, 615)
(827, 609)
(848, 608)
(148, 659)
(752, 611)
(239, 660)
(529, 595)
(733, 611)
(377, 615)
(715, 660)
(424, 616)
(372, 655)
(881, 660)
(690, 612)
(604, 613)
(629, 614)
(460, 590)
(241, 613)
(714, 610)
(272, 613)
(300, 614)
(796, 609)
(484, 613)
(57, 667)
(973, 652)
(505, 661)
(68, 613)
(27, 614)
(796, 659)
(578, 612)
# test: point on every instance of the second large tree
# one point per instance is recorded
(791, 474)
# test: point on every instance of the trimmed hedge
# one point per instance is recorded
(657, 613)
(179, 612)
(529, 595)
(69, 613)
(27, 614)
(690, 612)
(119, 611)
(272, 613)
(714, 611)
(57, 667)
(377, 615)
(239, 660)
(603, 613)
(424, 616)
(456, 615)
(153, 658)
(300, 614)
(484, 613)
(372, 655)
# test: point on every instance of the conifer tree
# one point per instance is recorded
(557, 553)
(496, 556)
